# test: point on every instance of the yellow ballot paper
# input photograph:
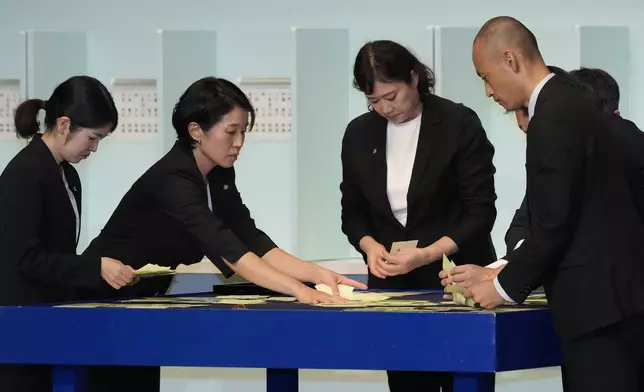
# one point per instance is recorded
(153, 270)
(453, 289)
(399, 246)
(345, 291)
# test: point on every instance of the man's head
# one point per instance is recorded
(506, 56)
(600, 86)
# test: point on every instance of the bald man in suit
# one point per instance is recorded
(585, 234)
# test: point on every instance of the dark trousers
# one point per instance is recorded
(123, 379)
(26, 378)
(609, 359)
(127, 378)
(414, 381)
(420, 382)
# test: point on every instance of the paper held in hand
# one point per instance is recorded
(153, 270)
(399, 246)
(348, 293)
(345, 291)
(453, 289)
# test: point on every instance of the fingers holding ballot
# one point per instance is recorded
(403, 258)
(470, 284)
(318, 296)
(467, 275)
(115, 273)
(376, 256)
(336, 282)
(456, 292)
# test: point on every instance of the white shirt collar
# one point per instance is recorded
(535, 94)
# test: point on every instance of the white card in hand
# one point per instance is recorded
(399, 246)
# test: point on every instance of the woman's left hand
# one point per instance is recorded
(333, 279)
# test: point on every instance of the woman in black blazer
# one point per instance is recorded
(416, 167)
(187, 206)
(40, 206)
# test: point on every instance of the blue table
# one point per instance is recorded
(281, 337)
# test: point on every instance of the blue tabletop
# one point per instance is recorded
(434, 336)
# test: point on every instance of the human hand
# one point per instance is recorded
(405, 261)
(307, 295)
(376, 254)
(485, 294)
(468, 275)
(464, 276)
(333, 279)
(115, 273)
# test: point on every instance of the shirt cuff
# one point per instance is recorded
(500, 290)
(519, 244)
(497, 264)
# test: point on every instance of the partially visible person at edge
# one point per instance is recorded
(40, 205)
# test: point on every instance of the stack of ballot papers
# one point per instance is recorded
(153, 270)
(453, 289)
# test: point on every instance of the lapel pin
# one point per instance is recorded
(375, 150)
(225, 187)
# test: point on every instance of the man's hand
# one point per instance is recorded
(465, 276)
(468, 275)
(485, 294)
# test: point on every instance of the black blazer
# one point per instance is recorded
(633, 139)
(451, 192)
(164, 219)
(519, 226)
(585, 236)
(38, 231)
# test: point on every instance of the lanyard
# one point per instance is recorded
(72, 199)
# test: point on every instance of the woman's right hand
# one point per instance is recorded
(115, 273)
(376, 254)
(308, 295)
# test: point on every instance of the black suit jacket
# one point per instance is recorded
(585, 236)
(164, 219)
(38, 231)
(451, 192)
(519, 226)
(633, 140)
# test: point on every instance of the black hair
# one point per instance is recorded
(206, 102)
(557, 71)
(388, 61)
(567, 76)
(600, 86)
(83, 99)
(506, 30)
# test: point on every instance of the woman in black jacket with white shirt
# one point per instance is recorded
(187, 205)
(416, 167)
